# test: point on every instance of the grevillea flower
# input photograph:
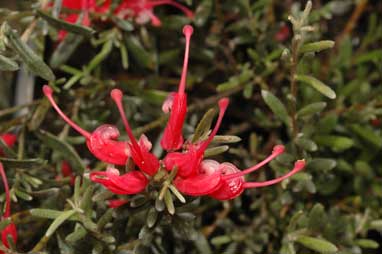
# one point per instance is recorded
(177, 103)
(189, 173)
(9, 139)
(10, 230)
(229, 181)
(188, 162)
(102, 142)
(142, 10)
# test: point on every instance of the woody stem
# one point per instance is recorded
(7, 211)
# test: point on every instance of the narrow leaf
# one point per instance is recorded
(65, 49)
(367, 243)
(367, 134)
(322, 164)
(337, 143)
(70, 27)
(58, 221)
(316, 244)
(34, 63)
(22, 164)
(276, 106)
(215, 151)
(46, 213)
(204, 125)
(318, 85)
(311, 109)
(316, 46)
(7, 64)
(62, 147)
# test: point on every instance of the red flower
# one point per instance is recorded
(130, 183)
(102, 142)
(172, 137)
(283, 33)
(9, 139)
(115, 203)
(66, 171)
(188, 162)
(194, 177)
(145, 160)
(142, 10)
(231, 182)
(9, 230)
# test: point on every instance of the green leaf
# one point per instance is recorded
(105, 51)
(65, 50)
(220, 240)
(316, 244)
(58, 221)
(34, 63)
(151, 217)
(215, 151)
(154, 96)
(316, 46)
(169, 203)
(7, 64)
(306, 144)
(376, 224)
(226, 139)
(137, 51)
(337, 143)
(322, 164)
(276, 106)
(370, 56)
(367, 243)
(203, 12)
(311, 109)
(122, 23)
(39, 115)
(318, 85)
(63, 25)
(367, 134)
(23, 164)
(62, 147)
(46, 213)
(204, 125)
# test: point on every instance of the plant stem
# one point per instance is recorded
(293, 87)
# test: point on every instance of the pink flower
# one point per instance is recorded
(9, 139)
(9, 230)
(142, 10)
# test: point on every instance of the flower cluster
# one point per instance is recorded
(9, 232)
(193, 176)
(141, 10)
